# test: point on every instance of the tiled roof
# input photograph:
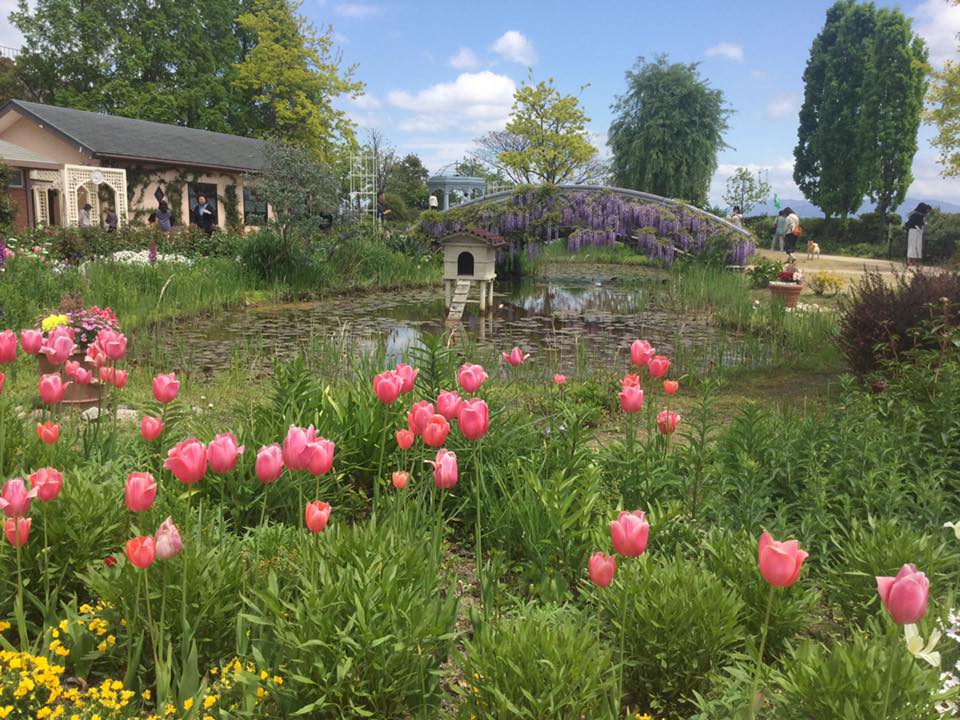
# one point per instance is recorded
(491, 239)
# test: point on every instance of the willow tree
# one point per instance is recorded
(668, 129)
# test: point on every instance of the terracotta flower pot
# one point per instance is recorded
(75, 395)
(789, 293)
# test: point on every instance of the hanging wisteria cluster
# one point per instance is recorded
(595, 218)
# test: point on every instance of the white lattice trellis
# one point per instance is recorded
(77, 176)
(50, 180)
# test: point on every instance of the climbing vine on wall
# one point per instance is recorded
(231, 205)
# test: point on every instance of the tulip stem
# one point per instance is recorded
(263, 510)
(763, 645)
(886, 693)
(376, 480)
(479, 547)
(21, 617)
(3, 433)
(623, 635)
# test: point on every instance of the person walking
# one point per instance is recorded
(84, 219)
(203, 215)
(779, 230)
(791, 231)
(736, 216)
(914, 226)
(164, 218)
(111, 220)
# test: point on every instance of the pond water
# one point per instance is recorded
(572, 317)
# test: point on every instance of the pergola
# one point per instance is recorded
(469, 187)
(77, 185)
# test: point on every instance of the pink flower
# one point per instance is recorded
(640, 352)
(780, 562)
(515, 357)
(630, 380)
(419, 416)
(905, 596)
(444, 469)
(471, 377)
(405, 439)
(223, 453)
(269, 465)
(15, 498)
(17, 531)
(320, 460)
(167, 540)
(295, 453)
(474, 419)
(399, 479)
(8, 347)
(317, 515)
(114, 343)
(96, 355)
(165, 388)
(58, 348)
(51, 388)
(151, 428)
(602, 569)
(435, 432)
(82, 376)
(187, 461)
(448, 404)
(140, 491)
(388, 385)
(670, 387)
(658, 366)
(560, 379)
(48, 432)
(141, 551)
(629, 533)
(667, 422)
(47, 482)
(631, 399)
(118, 378)
(31, 341)
(408, 375)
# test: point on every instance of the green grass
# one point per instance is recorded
(619, 254)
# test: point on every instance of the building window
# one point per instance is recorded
(16, 178)
(209, 191)
(254, 207)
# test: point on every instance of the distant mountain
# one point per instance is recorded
(804, 208)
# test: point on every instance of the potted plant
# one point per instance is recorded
(788, 286)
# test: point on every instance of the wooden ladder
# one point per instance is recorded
(460, 294)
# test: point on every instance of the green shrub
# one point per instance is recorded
(266, 255)
(941, 235)
(763, 272)
(541, 662)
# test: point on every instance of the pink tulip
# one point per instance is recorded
(631, 399)
(96, 355)
(17, 531)
(321, 456)
(630, 380)
(118, 378)
(405, 439)
(114, 343)
(187, 461)
(15, 498)
(295, 454)
(399, 479)
(445, 473)
(140, 491)
(448, 404)
(780, 562)
(658, 366)
(51, 388)
(560, 379)
(629, 533)
(167, 540)
(436, 431)
(47, 482)
(223, 453)
(515, 357)
(388, 385)
(48, 432)
(471, 377)
(83, 376)
(640, 352)
(474, 419)
(151, 428)
(670, 387)
(269, 465)
(905, 596)
(408, 375)
(8, 347)
(58, 348)
(141, 551)
(419, 416)
(317, 515)
(31, 341)
(165, 388)
(602, 569)
(667, 422)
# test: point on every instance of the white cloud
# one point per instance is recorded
(515, 47)
(358, 10)
(927, 182)
(9, 35)
(783, 105)
(437, 154)
(365, 102)
(465, 59)
(726, 50)
(475, 102)
(938, 23)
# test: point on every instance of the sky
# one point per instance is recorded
(439, 75)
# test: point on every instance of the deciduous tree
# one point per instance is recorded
(945, 114)
(746, 190)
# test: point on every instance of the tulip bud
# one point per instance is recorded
(780, 562)
(317, 515)
(602, 569)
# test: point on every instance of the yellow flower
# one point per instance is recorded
(188, 703)
(145, 694)
(209, 701)
(4, 625)
(52, 321)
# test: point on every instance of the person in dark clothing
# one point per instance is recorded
(111, 220)
(203, 215)
(164, 218)
(382, 210)
(914, 228)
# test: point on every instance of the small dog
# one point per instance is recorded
(813, 250)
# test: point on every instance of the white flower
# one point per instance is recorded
(955, 527)
(916, 648)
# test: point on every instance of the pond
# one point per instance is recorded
(578, 317)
